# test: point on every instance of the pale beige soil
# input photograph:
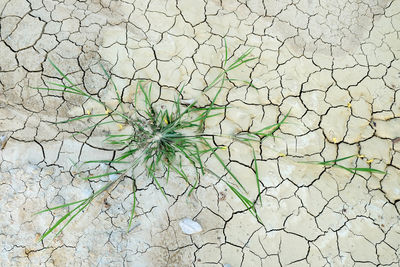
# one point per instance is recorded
(335, 64)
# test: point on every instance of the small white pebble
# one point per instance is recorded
(187, 101)
(189, 226)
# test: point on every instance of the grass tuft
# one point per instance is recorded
(158, 141)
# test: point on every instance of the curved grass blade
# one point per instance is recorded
(57, 90)
(328, 162)
(61, 206)
(115, 87)
(62, 74)
(105, 161)
(243, 81)
(214, 152)
(84, 204)
(102, 175)
(246, 202)
(274, 127)
(75, 89)
(59, 222)
(371, 170)
(133, 206)
(257, 176)
(332, 163)
(226, 53)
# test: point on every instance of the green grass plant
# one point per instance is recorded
(159, 141)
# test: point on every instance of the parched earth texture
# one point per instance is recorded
(334, 64)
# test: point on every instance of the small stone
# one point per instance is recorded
(189, 226)
(188, 101)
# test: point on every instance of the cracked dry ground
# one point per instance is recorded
(335, 64)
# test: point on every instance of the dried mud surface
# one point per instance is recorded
(336, 64)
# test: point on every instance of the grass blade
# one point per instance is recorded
(56, 90)
(133, 206)
(61, 206)
(115, 87)
(332, 163)
(62, 74)
(214, 152)
(368, 170)
(59, 222)
(102, 175)
(226, 53)
(257, 176)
